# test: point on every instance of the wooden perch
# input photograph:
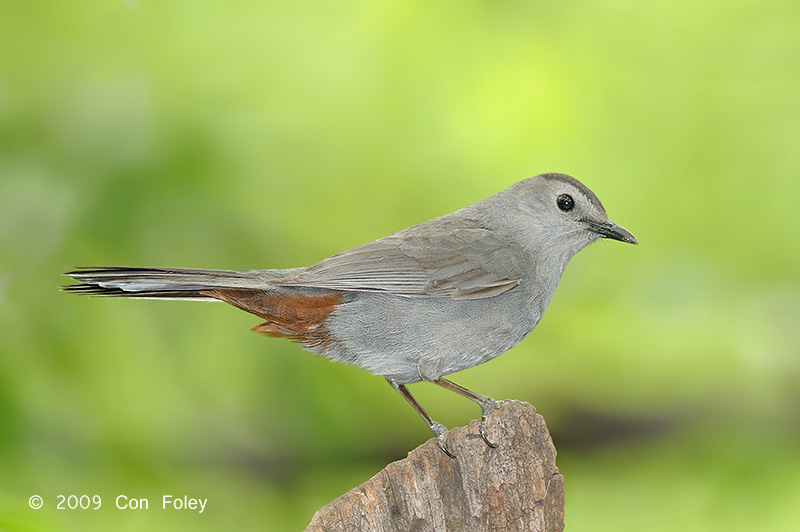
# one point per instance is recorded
(515, 486)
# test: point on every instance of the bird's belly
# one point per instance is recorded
(410, 339)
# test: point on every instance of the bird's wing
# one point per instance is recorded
(445, 257)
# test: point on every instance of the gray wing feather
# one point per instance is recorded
(445, 257)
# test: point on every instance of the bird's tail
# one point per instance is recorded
(164, 283)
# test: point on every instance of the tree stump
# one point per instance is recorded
(515, 486)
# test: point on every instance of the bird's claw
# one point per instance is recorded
(441, 438)
(487, 408)
(483, 434)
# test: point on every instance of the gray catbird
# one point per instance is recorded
(427, 301)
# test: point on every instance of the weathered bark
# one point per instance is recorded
(515, 486)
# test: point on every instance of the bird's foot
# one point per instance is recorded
(487, 407)
(441, 438)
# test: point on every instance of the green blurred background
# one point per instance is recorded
(251, 134)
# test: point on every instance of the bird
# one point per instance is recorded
(435, 298)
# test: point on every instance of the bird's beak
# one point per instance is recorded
(612, 230)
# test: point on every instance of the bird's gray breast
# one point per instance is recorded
(412, 338)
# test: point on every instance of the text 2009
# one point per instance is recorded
(84, 502)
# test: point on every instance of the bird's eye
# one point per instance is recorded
(565, 202)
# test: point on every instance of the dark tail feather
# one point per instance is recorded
(162, 283)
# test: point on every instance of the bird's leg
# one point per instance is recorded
(438, 429)
(487, 404)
